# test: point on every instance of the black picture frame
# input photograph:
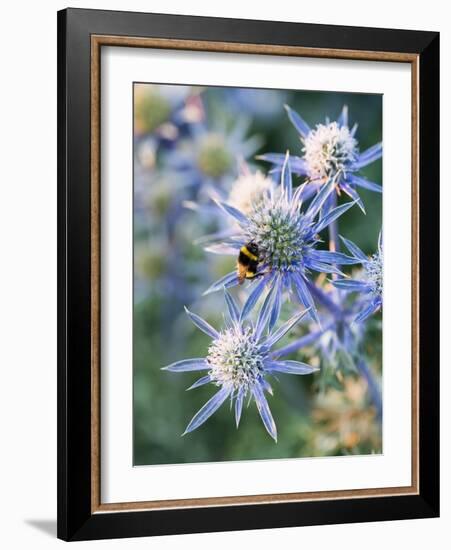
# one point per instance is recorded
(76, 519)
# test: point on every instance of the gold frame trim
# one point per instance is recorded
(97, 41)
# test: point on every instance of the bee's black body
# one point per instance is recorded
(247, 261)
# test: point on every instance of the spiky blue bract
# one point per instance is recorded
(329, 149)
(239, 361)
(370, 282)
(208, 158)
(287, 239)
(337, 336)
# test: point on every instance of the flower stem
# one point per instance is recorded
(334, 243)
(373, 387)
(303, 341)
(324, 299)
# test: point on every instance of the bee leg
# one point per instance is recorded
(260, 274)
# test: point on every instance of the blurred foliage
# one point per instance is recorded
(329, 413)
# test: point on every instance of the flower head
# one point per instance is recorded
(287, 241)
(249, 189)
(239, 361)
(214, 158)
(370, 284)
(329, 150)
(373, 273)
(335, 336)
(338, 341)
(208, 158)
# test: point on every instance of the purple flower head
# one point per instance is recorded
(327, 150)
(208, 158)
(246, 190)
(338, 341)
(287, 238)
(370, 284)
(239, 361)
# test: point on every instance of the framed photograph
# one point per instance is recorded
(248, 210)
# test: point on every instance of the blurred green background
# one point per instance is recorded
(171, 271)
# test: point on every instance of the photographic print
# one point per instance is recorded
(244, 218)
(258, 274)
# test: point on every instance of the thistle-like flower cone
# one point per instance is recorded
(239, 362)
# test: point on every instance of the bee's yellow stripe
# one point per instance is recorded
(250, 274)
(246, 252)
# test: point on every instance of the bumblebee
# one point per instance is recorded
(247, 262)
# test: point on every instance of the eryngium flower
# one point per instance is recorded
(327, 150)
(208, 158)
(287, 240)
(239, 361)
(338, 341)
(249, 190)
(371, 282)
